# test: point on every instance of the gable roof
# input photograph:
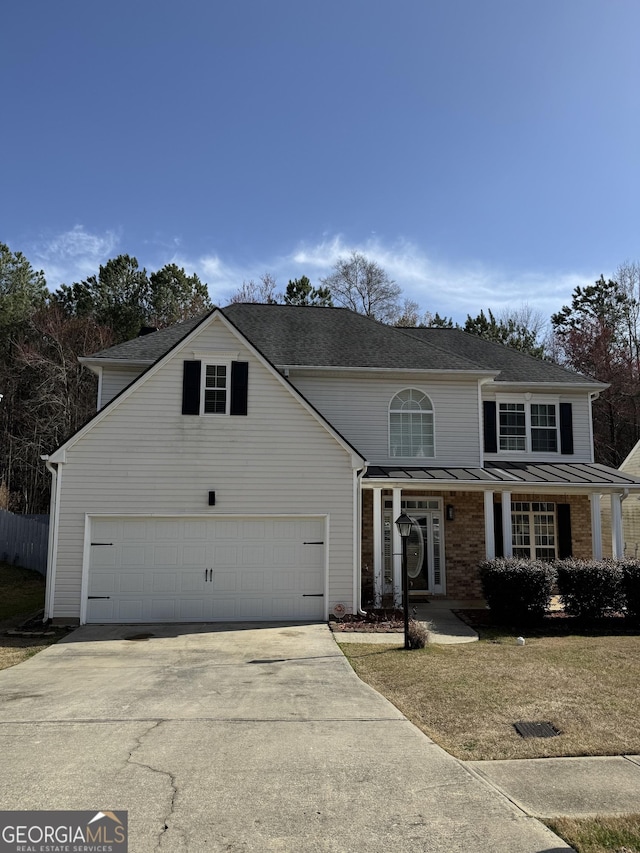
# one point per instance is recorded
(187, 331)
(302, 336)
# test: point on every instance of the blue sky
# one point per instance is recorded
(484, 152)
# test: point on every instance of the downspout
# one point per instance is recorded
(357, 539)
(52, 549)
(592, 398)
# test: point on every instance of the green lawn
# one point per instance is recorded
(601, 834)
(21, 591)
(467, 697)
(21, 594)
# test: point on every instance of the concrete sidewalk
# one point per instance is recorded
(444, 628)
(573, 787)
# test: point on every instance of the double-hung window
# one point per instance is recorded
(215, 389)
(411, 429)
(544, 428)
(524, 426)
(533, 530)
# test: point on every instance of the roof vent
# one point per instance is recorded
(146, 330)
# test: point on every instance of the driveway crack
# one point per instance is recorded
(170, 776)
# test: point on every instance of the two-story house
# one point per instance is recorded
(250, 464)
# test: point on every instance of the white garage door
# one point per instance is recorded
(206, 569)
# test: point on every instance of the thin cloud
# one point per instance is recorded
(73, 255)
(447, 288)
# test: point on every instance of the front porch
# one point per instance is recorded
(465, 516)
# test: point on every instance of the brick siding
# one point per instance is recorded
(464, 539)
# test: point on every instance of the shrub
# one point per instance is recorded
(418, 634)
(590, 589)
(631, 587)
(517, 590)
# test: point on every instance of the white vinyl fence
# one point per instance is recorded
(24, 540)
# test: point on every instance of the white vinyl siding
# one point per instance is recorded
(114, 379)
(581, 415)
(358, 407)
(145, 456)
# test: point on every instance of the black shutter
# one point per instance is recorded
(564, 531)
(497, 529)
(191, 388)
(490, 427)
(566, 428)
(239, 387)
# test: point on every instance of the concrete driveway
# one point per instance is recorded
(239, 738)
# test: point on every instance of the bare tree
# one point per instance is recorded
(264, 292)
(363, 286)
(532, 323)
(410, 315)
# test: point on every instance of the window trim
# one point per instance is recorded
(531, 515)
(528, 400)
(227, 386)
(430, 411)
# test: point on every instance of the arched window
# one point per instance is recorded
(411, 424)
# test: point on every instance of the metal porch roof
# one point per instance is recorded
(571, 474)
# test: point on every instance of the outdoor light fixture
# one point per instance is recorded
(404, 525)
(451, 513)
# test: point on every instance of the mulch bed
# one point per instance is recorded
(556, 622)
(375, 622)
(32, 627)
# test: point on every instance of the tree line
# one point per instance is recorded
(47, 394)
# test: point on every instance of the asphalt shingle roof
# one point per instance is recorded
(514, 366)
(335, 337)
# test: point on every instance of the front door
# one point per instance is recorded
(425, 562)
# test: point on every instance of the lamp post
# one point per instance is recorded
(404, 525)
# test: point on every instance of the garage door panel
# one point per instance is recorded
(170, 569)
(168, 529)
(192, 609)
(225, 555)
(251, 608)
(194, 555)
(131, 555)
(223, 609)
(130, 610)
(104, 583)
(254, 555)
(253, 582)
(164, 582)
(131, 582)
(165, 555)
(253, 530)
(103, 556)
(225, 581)
(192, 581)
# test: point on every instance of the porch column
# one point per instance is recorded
(378, 555)
(507, 536)
(489, 530)
(596, 527)
(396, 549)
(617, 539)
